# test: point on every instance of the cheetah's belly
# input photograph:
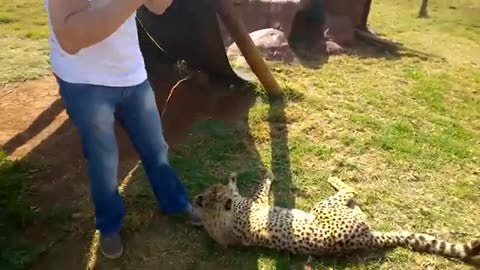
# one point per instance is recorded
(284, 229)
(302, 233)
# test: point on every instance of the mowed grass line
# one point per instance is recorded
(23, 39)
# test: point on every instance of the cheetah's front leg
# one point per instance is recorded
(348, 192)
(261, 195)
(339, 185)
(232, 184)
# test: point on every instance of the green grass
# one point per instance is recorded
(14, 214)
(17, 215)
(23, 33)
(402, 130)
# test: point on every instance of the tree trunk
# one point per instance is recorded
(423, 13)
(235, 26)
(366, 12)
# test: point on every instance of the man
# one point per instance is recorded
(100, 71)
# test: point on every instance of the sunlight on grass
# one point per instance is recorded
(23, 39)
(93, 250)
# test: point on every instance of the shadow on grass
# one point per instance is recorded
(365, 45)
(14, 214)
(370, 44)
(63, 180)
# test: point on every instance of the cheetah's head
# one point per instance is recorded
(217, 197)
(216, 207)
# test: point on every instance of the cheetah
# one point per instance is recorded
(335, 225)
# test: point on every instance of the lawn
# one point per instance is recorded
(23, 34)
(403, 130)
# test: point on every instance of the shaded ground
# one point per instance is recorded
(51, 141)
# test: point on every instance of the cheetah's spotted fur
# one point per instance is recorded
(332, 226)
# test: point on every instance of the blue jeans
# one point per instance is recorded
(93, 110)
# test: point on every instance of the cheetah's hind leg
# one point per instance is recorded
(344, 196)
(261, 195)
(340, 186)
(337, 184)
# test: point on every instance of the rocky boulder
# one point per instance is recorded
(272, 44)
(263, 14)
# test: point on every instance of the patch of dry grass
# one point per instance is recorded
(23, 39)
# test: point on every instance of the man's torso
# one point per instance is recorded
(115, 61)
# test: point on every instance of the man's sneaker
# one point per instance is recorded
(194, 216)
(111, 246)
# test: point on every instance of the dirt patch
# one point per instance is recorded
(20, 105)
(35, 127)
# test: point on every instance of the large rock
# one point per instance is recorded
(272, 44)
(263, 14)
(332, 48)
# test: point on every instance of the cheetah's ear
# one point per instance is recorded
(199, 201)
(233, 177)
(228, 205)
(269, 175)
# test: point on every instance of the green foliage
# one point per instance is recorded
(15, 214)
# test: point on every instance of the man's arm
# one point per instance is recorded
(157, 6)
(77, 25)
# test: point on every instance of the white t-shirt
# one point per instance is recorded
(115, 61)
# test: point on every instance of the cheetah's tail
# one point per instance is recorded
(419, 242)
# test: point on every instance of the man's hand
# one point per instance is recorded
(77, 25)
(158, 6)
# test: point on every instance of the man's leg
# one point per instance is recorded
(91, 109)
(139, 115)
